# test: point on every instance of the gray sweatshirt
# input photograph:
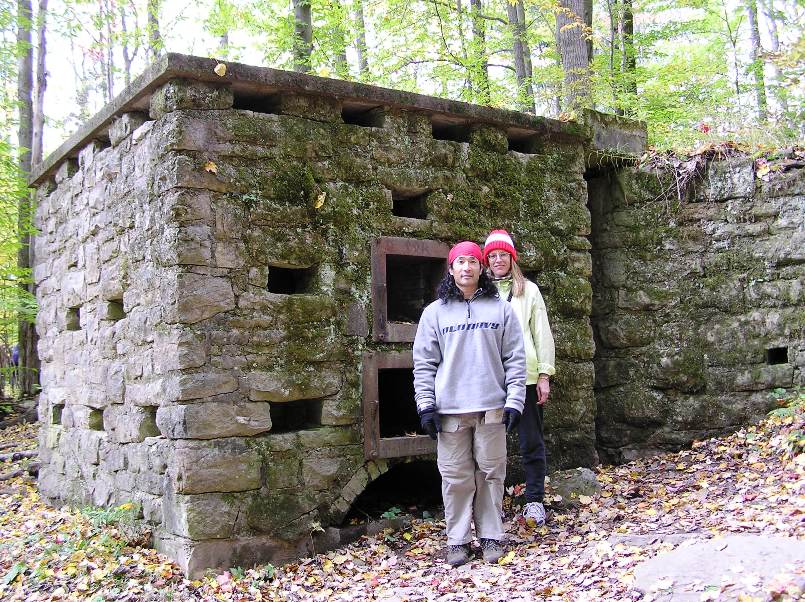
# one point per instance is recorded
(469, 357)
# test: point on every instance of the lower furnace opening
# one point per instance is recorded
(295, 415)
(398, 416)
(407, 488)
(412, 284)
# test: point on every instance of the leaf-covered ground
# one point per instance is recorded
(750, 482)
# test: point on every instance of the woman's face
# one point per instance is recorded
(500, 263)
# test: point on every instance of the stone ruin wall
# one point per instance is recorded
(174, 378)
(699, 305)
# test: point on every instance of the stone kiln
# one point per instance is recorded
(230, 270)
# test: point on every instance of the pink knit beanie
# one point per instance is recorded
(499, 239)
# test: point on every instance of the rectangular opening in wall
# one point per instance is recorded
(405, 275)
(56, 412)
(362, 115)
(411, 284)
(398, 417)
(391, 426)
(290, 281)
(524, 142)
(258, 103)
(297, 415)
(114, 310)
(410, 203)
(95, 420)
(73, 319)
(445, 130)
(777, 355)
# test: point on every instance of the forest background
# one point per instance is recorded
(696, 71)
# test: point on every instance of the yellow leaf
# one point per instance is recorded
(507, 558)
(651, 512)
(407, 536)
(320, 200)
(220, 69)
(585, 500)
(327, 565)
(210, 167)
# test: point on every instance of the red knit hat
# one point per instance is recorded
(499, 239)
(466, 249)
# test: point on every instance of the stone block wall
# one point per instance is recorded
(699, 305)
(204, 282)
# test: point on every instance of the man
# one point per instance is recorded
(469, 379)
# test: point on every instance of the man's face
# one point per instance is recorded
(466, 270)
(500, 263)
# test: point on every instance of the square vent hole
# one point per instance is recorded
(114, 310)
(368, 117)
(265, 103)
(528, 144)
(777, 355)
(290, 281)
(411, 283)
(456, 132)
(296, 415)
(397, 407)
(73, 318)
(410, 203)
(56, 412)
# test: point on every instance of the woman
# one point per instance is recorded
(526, 300)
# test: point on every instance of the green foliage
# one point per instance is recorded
(392, 512)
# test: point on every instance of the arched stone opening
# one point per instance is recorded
(407, 487)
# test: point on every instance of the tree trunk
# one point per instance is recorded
(756, 66)
(41, 84)
(28, 361)
(628, 56)
(480, 60)
(303, 36)
(572, 45)
(154, 36)
(341, 63)
(125, 47)
(360, 41)
(778, 90)
(525, 92)
(223, 43)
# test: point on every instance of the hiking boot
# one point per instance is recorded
(536, 512)
(492, 549)
(458, 555)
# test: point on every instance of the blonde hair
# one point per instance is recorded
(518, 280)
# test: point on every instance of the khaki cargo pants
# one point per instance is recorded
(471, 455)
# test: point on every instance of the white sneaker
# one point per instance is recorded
(536, 512)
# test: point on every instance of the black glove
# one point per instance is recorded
(511, 418)
(431, 423)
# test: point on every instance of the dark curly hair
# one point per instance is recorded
(448, 290)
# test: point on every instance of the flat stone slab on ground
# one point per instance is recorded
(738, 563)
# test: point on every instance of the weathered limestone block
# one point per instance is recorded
(284, 513)
(328, 437)
(129, 424)
(283, 471)
(123, 126)
(728, 180)
(181, 171)
(180, 94)
(683, 370)
(179, 349)
(317, 108)
(629, 330)
(311, 382)
(199, 297)
(189, 206)
(320, 472)
(211, 420)
(190, 515)
(217, 466)
(764, 377)
(336, 411)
